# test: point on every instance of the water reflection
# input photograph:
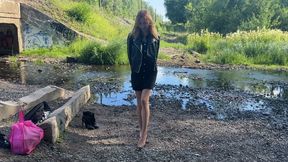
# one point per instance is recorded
(111, 84)
(9, 72)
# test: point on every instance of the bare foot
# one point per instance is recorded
(142, 141)
(147, 141)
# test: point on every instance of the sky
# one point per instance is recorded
(159, 6)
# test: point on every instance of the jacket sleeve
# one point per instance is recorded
(129, 45)
(158, 46)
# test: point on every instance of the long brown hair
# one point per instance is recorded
(136, 32)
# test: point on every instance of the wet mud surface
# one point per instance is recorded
(196, 115)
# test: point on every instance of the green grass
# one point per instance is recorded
(12, 59)
(60, 52)
(111, 54)
(80, 13)
(164, 44)
(54, 52)
(202, 42)
(163, 56)
(89, 52)
(91, 20)
(263, 47)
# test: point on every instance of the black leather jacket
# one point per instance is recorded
(135, 55)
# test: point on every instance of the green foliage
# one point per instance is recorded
(13, 59)
(94, 53)
(89, 19)
(80, 12)
(106, 21)
(93, 2)
(176, 10)
(273, 56)
(267, 47)
(54, 52)
(227, 58)
(122, 57)
(227, 16)
(60, 52)
(163, 56)
(201, 42)
(88, 51)
(127, 8)
(164, 44)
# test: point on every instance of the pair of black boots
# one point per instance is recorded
(4, 143)
(88, 119)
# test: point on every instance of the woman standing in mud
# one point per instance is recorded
(143, 47)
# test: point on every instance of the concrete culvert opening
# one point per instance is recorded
(9, 43)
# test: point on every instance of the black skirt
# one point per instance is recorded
(143, 80)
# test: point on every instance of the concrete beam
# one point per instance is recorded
(10, 9)
(51, 130)
(59, 119)
(8, 109)
(49, 93)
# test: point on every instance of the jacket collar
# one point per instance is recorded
(149, 39)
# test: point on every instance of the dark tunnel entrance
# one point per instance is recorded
(9, 44)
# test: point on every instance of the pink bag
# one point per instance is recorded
(24, 136)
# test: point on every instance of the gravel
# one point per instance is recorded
(174, 134)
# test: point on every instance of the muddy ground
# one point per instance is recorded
(175, 134)
(192, 134)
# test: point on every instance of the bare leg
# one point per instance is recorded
(138, 110)
(145, 114)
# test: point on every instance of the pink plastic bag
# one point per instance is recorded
(24, 136)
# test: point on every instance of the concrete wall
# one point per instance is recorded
(40, 31)
(10, 15)
(30, 27)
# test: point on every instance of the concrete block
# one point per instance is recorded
(8, 109)
(47, 94)
(63, 115)
(51, 131)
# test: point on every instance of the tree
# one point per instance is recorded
(126, 8)
(282, 14)
(225, 16)
(176, 10)
(262, 15)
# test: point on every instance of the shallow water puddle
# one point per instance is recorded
(206, 88)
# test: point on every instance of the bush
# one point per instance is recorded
(227, 58)
(92, 1)
(266, 47)
(88, 51)
(202, 42)
(80, 12)
(273, 56)
(96, 54)
(200, 46)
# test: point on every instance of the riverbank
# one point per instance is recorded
(192, 134)
(177, 58)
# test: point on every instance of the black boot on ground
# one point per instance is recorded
(88, 119)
